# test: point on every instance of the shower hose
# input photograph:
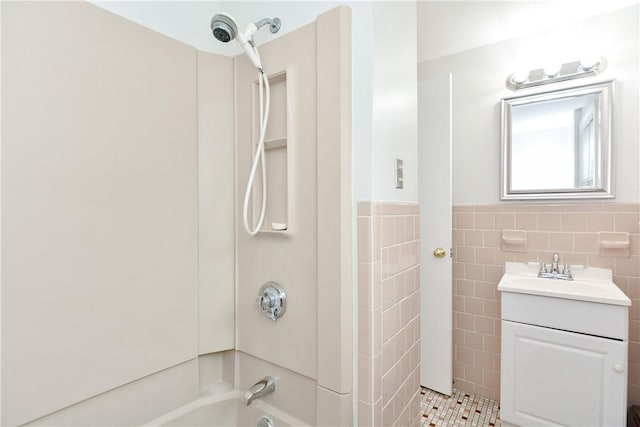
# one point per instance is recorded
(259, 156)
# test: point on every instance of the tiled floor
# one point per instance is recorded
(461, 409)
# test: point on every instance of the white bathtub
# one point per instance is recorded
(225, 410)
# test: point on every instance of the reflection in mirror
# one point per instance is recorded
(554, 137)
(558, 144)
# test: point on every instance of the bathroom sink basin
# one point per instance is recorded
(590, 304)
(588, 284)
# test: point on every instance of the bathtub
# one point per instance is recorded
(226, 410)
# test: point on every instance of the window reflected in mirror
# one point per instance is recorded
(558, 144)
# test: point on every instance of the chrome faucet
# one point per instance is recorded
(263, 387)
(554, 262)
(553, 270)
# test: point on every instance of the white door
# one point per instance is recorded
(434, 195)
(558, 378)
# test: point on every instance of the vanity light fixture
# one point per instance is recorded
(571, 70)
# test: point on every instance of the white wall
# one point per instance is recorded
(395, 101)
(478, 85)
(448, 27)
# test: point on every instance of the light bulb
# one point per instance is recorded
(520, 77)
(551, 70)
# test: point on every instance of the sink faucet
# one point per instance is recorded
(263, 387)
(553, 272)
(554, 262)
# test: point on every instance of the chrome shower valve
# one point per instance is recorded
(272, 300)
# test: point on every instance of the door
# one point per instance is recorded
(434, 196)
(552, 377)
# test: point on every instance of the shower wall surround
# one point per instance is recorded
(308, 154)
(388, 313)
(118, 278)
(216, 214)
(99, 210)
(478, 264)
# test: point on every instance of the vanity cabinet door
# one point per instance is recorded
(553, 377)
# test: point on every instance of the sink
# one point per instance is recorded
(588, 284)
(590, 304)
(563, 341)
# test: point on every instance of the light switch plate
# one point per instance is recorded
(399, 173)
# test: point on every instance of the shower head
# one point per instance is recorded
(225, 29)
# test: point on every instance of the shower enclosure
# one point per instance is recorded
(125, 269)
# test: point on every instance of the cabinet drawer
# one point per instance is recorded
(605, 320)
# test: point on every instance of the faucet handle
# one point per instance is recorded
(543, 267)
(272, 300)
(566, 269)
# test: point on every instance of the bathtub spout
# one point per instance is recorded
(263, 387)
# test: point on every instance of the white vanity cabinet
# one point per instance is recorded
(553, 377)
(564, 350)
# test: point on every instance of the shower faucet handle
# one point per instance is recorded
(272, 300)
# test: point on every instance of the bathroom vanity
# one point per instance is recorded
(564, 348)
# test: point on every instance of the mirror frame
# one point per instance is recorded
(605, 134)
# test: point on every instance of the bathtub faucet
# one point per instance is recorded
(263, 387)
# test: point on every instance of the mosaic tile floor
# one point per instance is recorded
(461, 409)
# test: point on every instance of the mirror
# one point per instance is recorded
(558, 144)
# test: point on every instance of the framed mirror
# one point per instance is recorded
(558, 144)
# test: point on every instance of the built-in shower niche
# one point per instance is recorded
(276, 219)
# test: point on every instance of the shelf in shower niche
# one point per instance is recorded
(276, 228)
(276, 155)
(272, 144)
(270, 232)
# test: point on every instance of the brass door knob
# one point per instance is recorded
(439, 253)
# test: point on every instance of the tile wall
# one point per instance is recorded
(388, 314)
(569, 229)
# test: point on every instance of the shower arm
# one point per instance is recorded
(274, 24)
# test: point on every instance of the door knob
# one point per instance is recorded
(439, 253)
